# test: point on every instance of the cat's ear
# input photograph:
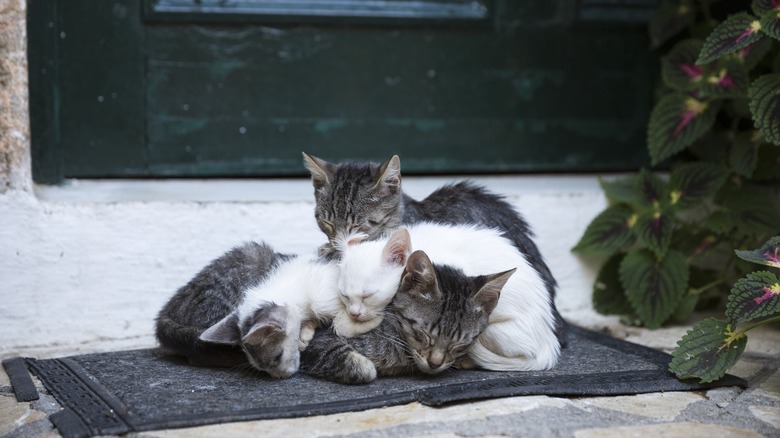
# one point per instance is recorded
(389, 179)
(488, 295)
(224, 332)
(267, 323)
(321, 170)
(419, 275)
(397, 248)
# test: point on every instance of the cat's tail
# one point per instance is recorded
(183, 340)
(544, 358)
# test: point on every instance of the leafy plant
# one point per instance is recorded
(712, 346)
(718, 117)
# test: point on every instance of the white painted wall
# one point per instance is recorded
(86, 267)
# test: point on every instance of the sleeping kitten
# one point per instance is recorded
(367, 198)
(276, 318)
(210, 296)
(435, 316)
(521, 334)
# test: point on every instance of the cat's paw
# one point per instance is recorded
(348, 327)
(358, 369)
(466, 363)
(307, 333)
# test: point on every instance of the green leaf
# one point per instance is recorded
(707, 351)
(609, 232)
(678, 67)
(768, 167)
(761, 6)
(676, 122)
(654, 287)
(654, 229)
(743, 154)
(736, 32)
(755, 296)
(690, 184)
(750, 208)
(651, 192)
(770, 24)
(764, 94)
(768, 254)
(608, 296)
(685, 309)
(621, 189)
(669, 19)
(728, 78)
(754, 53)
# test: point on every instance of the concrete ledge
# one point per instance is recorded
(87, 266)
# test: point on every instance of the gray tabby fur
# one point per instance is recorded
(436, 315)
(210, 296)
(366, 197)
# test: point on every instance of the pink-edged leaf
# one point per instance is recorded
(654, 287)
(768, 254)
(677, 121)
(669, 19)
(678, 67)
(727, 78)
(764, 95)
(755, 296)
(770, 23)
(736, 32)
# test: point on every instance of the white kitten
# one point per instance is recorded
(521, 331)
(276, 319)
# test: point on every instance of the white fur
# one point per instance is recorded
(521, 331)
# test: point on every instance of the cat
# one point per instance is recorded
(521, 334)
(430, 324)
(365, 197)
(276, 318)
(211, 295)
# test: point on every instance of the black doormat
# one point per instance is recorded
(138, 390)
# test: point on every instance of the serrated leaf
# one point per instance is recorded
(736, 32)
(678, 67)
(651, 192)
(690, 184)
(743, 154)
(754, 53)
(768, 254)
(761, 6)
(728, 78)
(608, 297)
(609, 232)
(685, 309)
(706, 352)
(676, 122)
(654, 287)
(764, 95)
(770, 24)
(669, 19)
(654, 229)
(621, 189)
(750, 208)
(755, 296)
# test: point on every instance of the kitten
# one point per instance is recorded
(210, 296)
(435, 316)
(521, 334)
(367, 198)
(276, 318)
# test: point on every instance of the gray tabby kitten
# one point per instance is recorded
(213, 294)
(367, 198)
(433, 319)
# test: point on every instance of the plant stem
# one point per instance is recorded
(766, 321)
(708, 286)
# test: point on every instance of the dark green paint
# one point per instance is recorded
(538, 89)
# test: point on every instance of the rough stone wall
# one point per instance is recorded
(15, 170)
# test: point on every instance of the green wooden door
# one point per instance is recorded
(192, 88)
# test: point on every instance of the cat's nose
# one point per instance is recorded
(434, 363)
(354, 313)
